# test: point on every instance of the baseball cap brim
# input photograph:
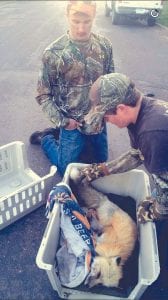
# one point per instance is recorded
(94, 120)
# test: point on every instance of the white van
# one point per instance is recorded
(148, 10)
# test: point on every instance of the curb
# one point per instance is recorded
(162, 26)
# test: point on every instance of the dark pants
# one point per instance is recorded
(162, 238)
(73, 146)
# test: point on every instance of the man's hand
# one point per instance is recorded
(94, 171)
(73, 124)
(79, 171)
(73, 171)
(147, 211)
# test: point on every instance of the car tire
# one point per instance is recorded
(151, 21)
(107, 10)
(114, 17)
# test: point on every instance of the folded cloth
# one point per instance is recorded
(75, 254)
(72, 269)
(63, 194)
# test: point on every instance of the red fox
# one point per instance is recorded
(117, 234)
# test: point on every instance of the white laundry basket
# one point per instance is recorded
(21, 189)
(134, 184)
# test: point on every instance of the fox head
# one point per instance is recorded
(106, 271)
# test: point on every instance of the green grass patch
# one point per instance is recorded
(163, 18)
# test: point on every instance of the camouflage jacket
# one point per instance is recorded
(67, 72)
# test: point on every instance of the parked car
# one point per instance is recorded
(148, 10)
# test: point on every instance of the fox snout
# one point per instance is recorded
(105, 271)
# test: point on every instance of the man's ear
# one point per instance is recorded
(121, 107)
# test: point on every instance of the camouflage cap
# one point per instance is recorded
(112, 89)
(86, 7)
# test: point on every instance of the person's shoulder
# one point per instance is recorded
(101, 39)
(153, 115)
(155, 102)
(58, 44)
(55, 48)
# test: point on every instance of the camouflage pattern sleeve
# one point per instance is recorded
(161, 186)
(111, 68)
(108, 50)
(155, 208)
(45, 96)
(128, 161)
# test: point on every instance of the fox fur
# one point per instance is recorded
(117, 234)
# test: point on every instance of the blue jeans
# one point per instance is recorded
(71, 145)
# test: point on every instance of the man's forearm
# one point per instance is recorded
(50, 109)
(45, 95)
(128, 161)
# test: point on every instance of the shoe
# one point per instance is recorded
(151, 95)
(36, 137)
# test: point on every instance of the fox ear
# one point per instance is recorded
(117, 259)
